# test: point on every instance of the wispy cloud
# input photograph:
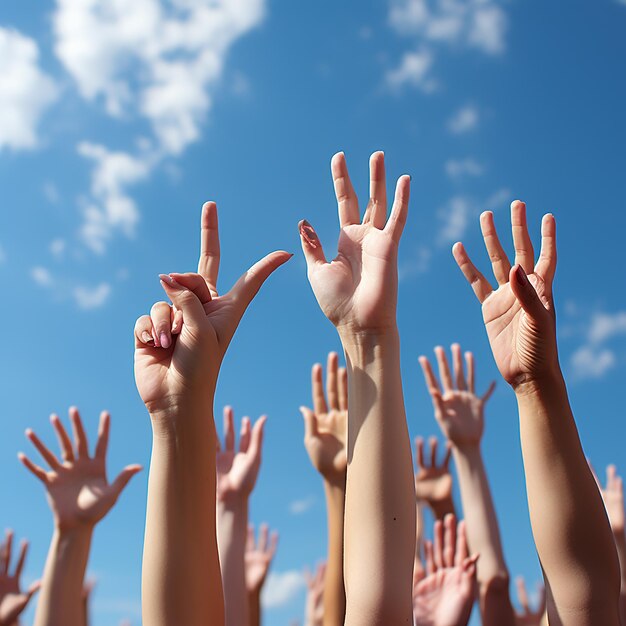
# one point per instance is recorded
(461, 168)
(298, 507)
(42, 276)
(464, 120)
(414, 69)
(26, 91)
(592, 362)
(92, 297)
(281, 588)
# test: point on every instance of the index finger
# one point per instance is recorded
(209, 262)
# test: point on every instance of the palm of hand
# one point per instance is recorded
(517, 346)
(614, 504)
(12, 600)
(444, 598)
(79, 493)
(355, 289)
(328, 450)
(236, 472)
(433, 484)
(257, 566)
(462, 417)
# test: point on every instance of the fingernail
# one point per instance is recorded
(521, 275)
(146, 337)
(167, 279)
(165, 340)
(309, 234)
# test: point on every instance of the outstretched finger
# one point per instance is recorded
(438, 541)
(39, 472)
(449, 548)
(209, 262)
(21, 559)
(310, 423)
(522, 595)
(7, 549)
(480, 285)
(347, 202)
(263, 537)
(419, 452)
(499, 260)
(332, 382)
(524, 253)
(378, 191)
(273, 544)
(471, 372)
(250, 539)
(65, 443)
(400, 209)
(457, 365)
(244, 435)
(431, 380)
(489, 392)
(229, 429)
(45, 452)
(546, 265)
(104, 428)
(256, 437)
(444, 369)
(446, 458)
(80, 438)
(343, 389)
(123, 478)
(461, 552)
(434, 444)
(317, 387)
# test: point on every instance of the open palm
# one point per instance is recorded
(519, 314)
(358, 287)
(164, 373)
(78, 491)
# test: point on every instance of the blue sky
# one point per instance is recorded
(116, 128)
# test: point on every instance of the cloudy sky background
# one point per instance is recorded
(119, 119)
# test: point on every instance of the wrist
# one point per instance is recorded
(334, 481)
(539, 385)
(359, 346)
(179, 415)
(442, 508)
(233, 502)
(75, 532)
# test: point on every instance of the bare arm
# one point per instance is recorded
(358, 293)
(569, 523)
(176, 375)
(460, 414)
(259, 557)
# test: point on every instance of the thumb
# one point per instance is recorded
(33, 589)
(256, 437)
(525, 293)
(185, 300)
(310, 423)
(123, 478)
(311, 244)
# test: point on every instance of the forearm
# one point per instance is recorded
(380, 494)
(254, 607)
(569, 521)
(334, 589)
(620, 543)
(181, 580)
(60, 599)
(483, 535)
(232, 528)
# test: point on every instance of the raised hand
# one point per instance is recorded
(519, 315)
(326, 425)
(314, 610)
(13, 600)
(445, 597)
(527, 616)
(357, 291)
(259, 557)
(433, 483)
(78, 491)
(613, 496)
(237, 470)
(458, 410)
(169, 369)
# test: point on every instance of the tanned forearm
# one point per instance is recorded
(569, 521)
(380, 493)
(181, 581)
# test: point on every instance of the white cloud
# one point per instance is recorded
(92, 297)
(464, 120)
(110, 208)
(25, 90)
(418, 264)
(592, 362)
(459, 168)
(605, 326)
(51, 193)
(281, 588)
(298, 507)
(414, 69)
(158, 60)
(57, 247)
(42, 276)
(479, 24)
(455, 218)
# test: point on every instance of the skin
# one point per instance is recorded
(258, 559)
(529, 616)
(459, 411)
(433, 483)
(79, 495)
(13, 600)
(237, 472)
(357, 291)
(326, 445)
(181, 580)
(314, 611)
(445, 596)
(569, 522)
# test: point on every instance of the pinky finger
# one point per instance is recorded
(489, 392)
(34, 469)
(481, 286)
(143, 332)
(400, 208)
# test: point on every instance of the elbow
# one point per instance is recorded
(495, 585)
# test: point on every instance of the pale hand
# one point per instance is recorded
(458, 410)
(357, 290)
(315, 596)
(259, 557)
(613, 496)
(326, 425)
(237, 470)
(13, 600)
(78, 491)
(528, 616)
(433, 483)
(170, 367)
(519, 315)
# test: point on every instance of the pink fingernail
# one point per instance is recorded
(165, 341)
